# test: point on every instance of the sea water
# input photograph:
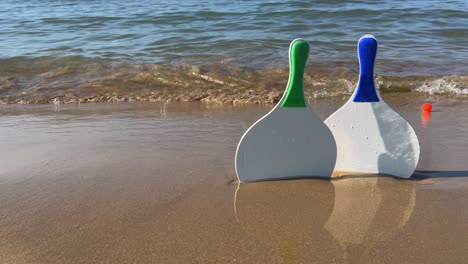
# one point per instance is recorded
(224, 51)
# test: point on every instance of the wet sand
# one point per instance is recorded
(151, 183)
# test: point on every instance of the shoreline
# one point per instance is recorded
(257, 97)
(217, 83)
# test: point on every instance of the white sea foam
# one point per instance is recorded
(443, 86)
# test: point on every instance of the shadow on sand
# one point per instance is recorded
(421, 174)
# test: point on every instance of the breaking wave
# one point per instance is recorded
(79, 80)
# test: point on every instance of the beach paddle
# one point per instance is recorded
(290, 141)
(372, 137)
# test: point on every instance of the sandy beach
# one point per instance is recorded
(152, 183)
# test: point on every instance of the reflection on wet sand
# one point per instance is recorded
(303, 219)
(289, 216)
(368, 210)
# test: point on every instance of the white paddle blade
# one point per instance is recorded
(286, 143)
(372, 138)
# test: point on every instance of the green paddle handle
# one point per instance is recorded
(298, 54)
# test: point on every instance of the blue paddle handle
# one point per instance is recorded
(367, 50)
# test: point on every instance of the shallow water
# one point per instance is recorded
(153, 183)
(114, 51)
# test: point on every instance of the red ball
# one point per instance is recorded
(427, 107)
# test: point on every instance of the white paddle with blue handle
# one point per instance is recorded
(372, 138)
(290, 141)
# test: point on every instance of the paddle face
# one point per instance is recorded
(290, 141)
(372, 137)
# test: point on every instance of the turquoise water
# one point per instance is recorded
(416, 38)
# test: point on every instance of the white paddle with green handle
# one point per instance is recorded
(290, 141)
(372, 138)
